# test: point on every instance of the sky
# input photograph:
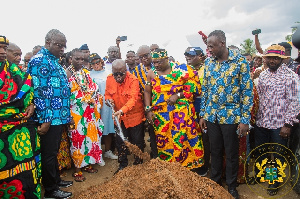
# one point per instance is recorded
(172, 24)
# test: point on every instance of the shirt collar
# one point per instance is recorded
(45, 51)
(232, 54)
(281, 69)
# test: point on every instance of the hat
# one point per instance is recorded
(84, 47)
(94, 56)
(286, 45)
(159, 53)
(193, 51)
(3, 40)
(275, 51)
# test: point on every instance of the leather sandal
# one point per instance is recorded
(90, 169)
(78, 177)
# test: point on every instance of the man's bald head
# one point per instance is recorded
(13, 46)
(118, 64)
(153, 47)
(14, 53)
(143, 49)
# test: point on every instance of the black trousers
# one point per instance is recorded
(136, 136)
(206, 146)
(224, 136)
(153, 144)
(50, 143)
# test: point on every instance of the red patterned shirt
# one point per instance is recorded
(278, 98)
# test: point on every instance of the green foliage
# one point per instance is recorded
(289, 37)
(248, 47)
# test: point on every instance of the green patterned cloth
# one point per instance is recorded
(20, 165)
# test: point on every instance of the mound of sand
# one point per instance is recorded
(156, 179)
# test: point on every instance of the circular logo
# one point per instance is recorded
(269, 166)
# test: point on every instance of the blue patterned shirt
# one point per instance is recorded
(51, 88)
(227, 90)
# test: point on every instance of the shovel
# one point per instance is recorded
(118, 129)
(132, 148)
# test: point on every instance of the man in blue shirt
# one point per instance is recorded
(52, 100)
(226, 101)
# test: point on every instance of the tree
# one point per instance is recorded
(248, 47)
(289, 37)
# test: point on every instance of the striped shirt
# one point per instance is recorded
(278, 98)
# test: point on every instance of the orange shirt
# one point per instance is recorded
(127, 97)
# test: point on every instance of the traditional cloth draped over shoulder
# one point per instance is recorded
(178, 135)
(20, 166)
(85, 110)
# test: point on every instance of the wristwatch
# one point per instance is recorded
(178, 94)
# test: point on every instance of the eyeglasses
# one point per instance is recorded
(144, 56)
(116, 74)
(60, 45)
(97, 62)
(26, 60)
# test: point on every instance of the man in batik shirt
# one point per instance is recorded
(52, 99)
(226, 102)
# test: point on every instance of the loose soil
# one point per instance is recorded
(155, 179)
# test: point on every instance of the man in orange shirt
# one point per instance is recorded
(123, 91)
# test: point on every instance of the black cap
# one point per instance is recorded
(193, 51)
(286, 45)
(94, 56)
(84, 47)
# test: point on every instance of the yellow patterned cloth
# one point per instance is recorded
(178, 135)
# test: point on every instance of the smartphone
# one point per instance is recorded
(202, 34)
(123, 38)
(256, 32)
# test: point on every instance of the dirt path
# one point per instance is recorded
(106, 173)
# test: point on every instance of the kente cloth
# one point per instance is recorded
(85, 110)
(20, 165)
(64, 156)
(140, 71)
(178, 136)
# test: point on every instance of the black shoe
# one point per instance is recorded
(273, 189)
(202, 171)
(58, 194)
(234, 193)
(65, 184)
(119, 169)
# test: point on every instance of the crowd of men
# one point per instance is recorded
(198, 114)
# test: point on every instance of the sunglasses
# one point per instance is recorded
(26, 60)
(144, 56)
(97, 62)
(116, 74)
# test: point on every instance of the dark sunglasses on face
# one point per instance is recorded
(144, 56)
(26, 60)
(97, 62)
(116, 74)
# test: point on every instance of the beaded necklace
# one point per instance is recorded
(84, 84)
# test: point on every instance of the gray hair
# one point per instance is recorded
(52, 34)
